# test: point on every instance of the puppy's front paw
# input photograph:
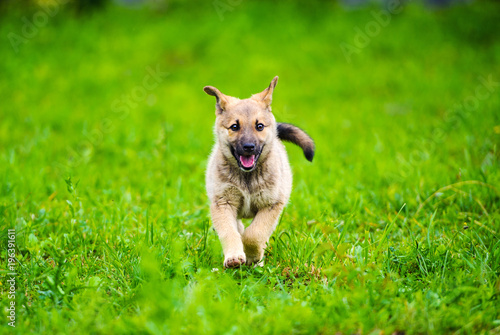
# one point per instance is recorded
(254, 250)
(234, 261)
(253, 246)
(257, 260)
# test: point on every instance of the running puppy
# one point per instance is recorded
(248, 174)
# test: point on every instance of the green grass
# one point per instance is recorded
(393, 228)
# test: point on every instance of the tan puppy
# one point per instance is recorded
(248, 174)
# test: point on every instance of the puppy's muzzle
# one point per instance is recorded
(246, 154)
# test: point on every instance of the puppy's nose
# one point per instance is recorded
(248, 147)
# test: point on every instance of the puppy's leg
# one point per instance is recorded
(257, 234)
(226, 225)
(241, 227)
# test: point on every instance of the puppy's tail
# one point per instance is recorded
(289, 132)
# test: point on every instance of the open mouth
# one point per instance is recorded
(245, 162)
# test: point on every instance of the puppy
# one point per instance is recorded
(248, 174)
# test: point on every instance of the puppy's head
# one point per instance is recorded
(245, 128)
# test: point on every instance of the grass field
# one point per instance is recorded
(104, 137)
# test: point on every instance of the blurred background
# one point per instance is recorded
(112, 90)
(105, 132)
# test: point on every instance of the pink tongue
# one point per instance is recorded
(247, 161)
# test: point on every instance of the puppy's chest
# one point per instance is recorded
(250, 203)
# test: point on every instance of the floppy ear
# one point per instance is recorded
(266, 96)
(222, 99)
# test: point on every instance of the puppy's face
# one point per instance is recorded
(244, 127)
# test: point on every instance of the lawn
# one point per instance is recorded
(105, 133)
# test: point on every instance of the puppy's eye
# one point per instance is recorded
(235, 127)
(259, 127)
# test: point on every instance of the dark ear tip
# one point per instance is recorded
(209, 90)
